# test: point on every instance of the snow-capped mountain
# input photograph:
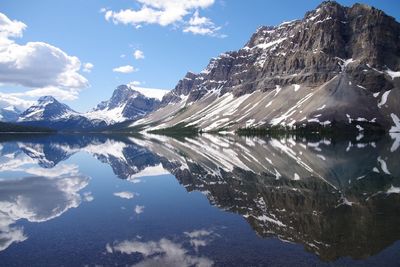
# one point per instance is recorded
(47, 108)
(50, 113)
(9, 114)
(336, 67)
(125, 104)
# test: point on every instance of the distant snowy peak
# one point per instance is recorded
(47, 108)
(44, 100)
(127, 103)
(124, 93)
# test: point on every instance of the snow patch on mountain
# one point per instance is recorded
(151, 92)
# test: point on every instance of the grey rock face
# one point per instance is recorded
(132, 103)
(333, 53)
(307, 51)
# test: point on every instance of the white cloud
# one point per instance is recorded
(139, 209)
(201, 25)
(9, 99)
(138, 54)
(124, 69)
(134, 83)
(56, 171)
(10, 28)
(196, 20)
(166, 12)
(36, 65)
(60, 94)
(24, 199)
(87, 67)
(88, 197)
(124, 194)
(162, 253)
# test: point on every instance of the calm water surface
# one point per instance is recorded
(73, 200)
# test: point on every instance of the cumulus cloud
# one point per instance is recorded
(61, 94)
(87, 67)
(139, 209)
(201, 26)
(138, 54)
(36, 65)
(124, 69)
(88, 197)
(56, 171)
(134, 83)
(11, 100)
(10, 28)
(164, 13)
(124, 194)
(35, 199)
(160, 253)
(165, 252)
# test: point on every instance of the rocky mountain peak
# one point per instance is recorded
(46, 99)
(120, 95)
(336, 49)
(314, 47)
(46, 108)
(126, 103)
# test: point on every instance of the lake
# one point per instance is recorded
(210, 200)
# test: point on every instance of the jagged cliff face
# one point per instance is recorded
(337, 64)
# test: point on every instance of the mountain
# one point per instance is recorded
(126, 104)
(9, 114)
(336, 67)
(47, 108)
(50, 113)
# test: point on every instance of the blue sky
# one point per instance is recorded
(172, 41)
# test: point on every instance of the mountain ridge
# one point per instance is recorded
(125, 104)
(337, 65)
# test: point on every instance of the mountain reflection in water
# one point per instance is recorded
(338, 198)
